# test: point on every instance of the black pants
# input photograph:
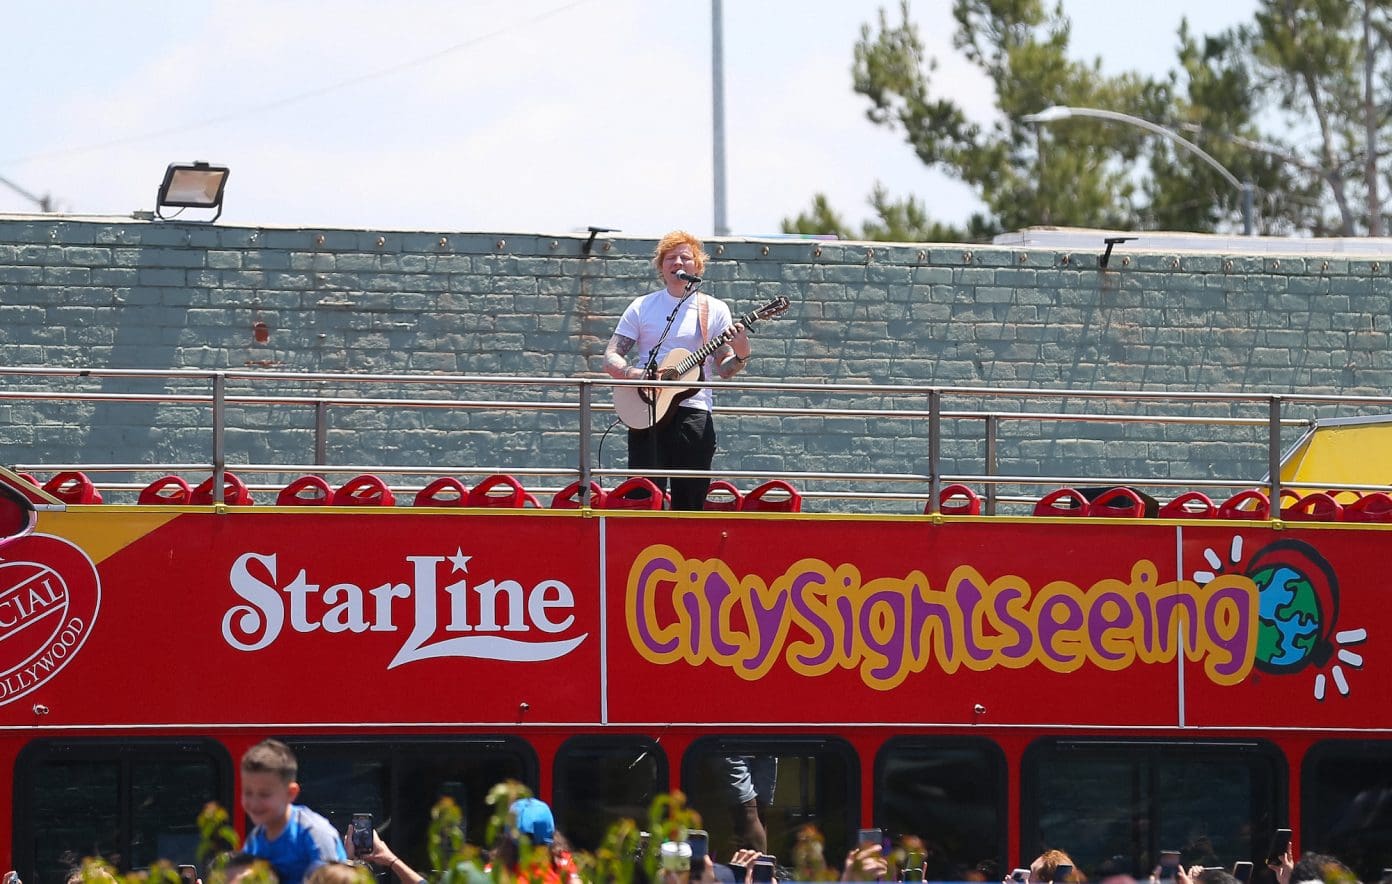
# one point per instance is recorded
(684, 441)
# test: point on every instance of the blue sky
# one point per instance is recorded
(489, 115)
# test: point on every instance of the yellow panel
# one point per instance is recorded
(1342, 455)
(104, 529)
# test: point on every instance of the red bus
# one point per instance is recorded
(1110, 685)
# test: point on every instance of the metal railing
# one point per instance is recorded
(975, 427)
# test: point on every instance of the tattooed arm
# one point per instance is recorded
(616, 358)
(728, 361)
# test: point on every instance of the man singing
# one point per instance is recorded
(676, 316)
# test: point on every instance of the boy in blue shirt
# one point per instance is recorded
(289, 836)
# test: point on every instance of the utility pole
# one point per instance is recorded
(722, 227)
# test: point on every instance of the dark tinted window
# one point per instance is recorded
(796, 781)
(1113, 805)
(1346, 792)
(398, 782)
(599, 780)
(951, 793)
(130, 803)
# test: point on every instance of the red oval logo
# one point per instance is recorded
(49, 597)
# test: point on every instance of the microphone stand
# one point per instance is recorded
(650, 369)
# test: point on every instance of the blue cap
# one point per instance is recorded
(534, 820)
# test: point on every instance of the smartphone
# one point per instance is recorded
(1062, 872)
(700, 846)
(1020, 875)
(1242, 871)
(1280, 843)
(870, 836)
(362, 834)
(1169, 865)
(763, 871)
(189, 874)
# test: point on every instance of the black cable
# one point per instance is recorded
(599, 457)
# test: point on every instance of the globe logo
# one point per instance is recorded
(1289, 626)
(1297, 605)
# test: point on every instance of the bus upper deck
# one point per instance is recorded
(997, 667)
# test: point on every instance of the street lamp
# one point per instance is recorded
(1059, 112)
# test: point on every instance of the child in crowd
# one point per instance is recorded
(289, 836)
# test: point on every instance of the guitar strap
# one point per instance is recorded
(703, 313)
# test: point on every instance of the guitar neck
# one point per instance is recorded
(699, 355)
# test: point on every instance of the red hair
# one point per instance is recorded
(680, 238)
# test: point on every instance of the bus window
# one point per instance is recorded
(1346, 804)
(129, 803)
(599, 780)
(1113, 805)
(399, 780)
(951, 793)
(796, 781)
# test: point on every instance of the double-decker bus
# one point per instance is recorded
(1071, 674)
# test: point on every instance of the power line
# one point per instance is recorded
(296, 98)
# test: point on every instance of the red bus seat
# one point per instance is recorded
(1190, 505)
(499, 490)
(170, 490)
(444, 491)
(637, 493)
(568, 498)
(16, 513)
(774, 496)
(1062, 502)
(1117, 503)
(1249, 504)
(73, 487)
(1376, 506)
(234, 492)
(722, 496)
(957, 500)
(1289, 498)
(306, 491)
(364, 490)
(1315, 507)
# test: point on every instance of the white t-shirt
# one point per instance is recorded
(646, 317)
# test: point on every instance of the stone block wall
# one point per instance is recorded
(119, 293)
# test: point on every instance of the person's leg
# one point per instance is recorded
(645, 452)
(744, 804)
(692, 447)
(763, 772)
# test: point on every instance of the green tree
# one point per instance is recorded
(1022, 47)
(1317, 73)
(1326, 70)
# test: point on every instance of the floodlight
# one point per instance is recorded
(192, 186)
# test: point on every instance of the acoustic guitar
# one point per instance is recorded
(643, 407)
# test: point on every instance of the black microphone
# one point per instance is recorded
(686, 277)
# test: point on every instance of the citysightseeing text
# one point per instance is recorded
(816, 617)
